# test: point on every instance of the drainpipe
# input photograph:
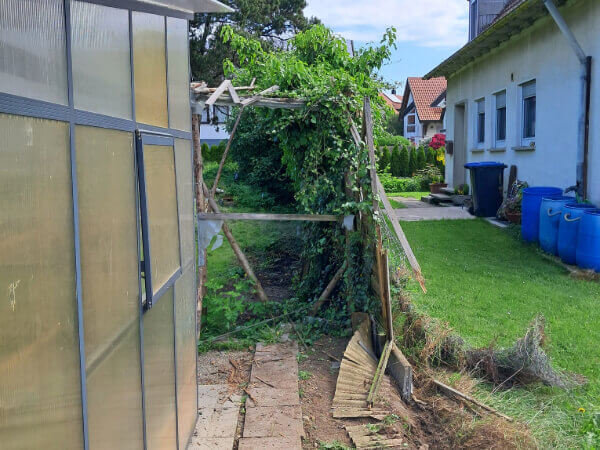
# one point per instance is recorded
(584, 112)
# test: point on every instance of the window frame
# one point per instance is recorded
(142, 139)
(412, 115)
(499, 143)
(480, 133)
(527, 141)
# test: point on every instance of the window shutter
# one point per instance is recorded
(528, 89)
(501, 100)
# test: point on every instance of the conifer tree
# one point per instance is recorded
(404, 161)
(412, 162)
(395, 164)
(384, 158)
(421, 158)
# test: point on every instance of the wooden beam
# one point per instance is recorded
(215, 95)
(237, 250)
(200, 207)
(251, 100)
(266, 102)
(329, 289)
(226, 152)
(261, 216)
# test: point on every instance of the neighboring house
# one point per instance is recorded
(516, 94)
(213, 125)
(423, 108)
(392, 100)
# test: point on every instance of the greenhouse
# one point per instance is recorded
(97, 255)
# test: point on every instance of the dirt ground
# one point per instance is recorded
(432, 421)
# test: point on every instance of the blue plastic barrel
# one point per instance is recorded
(550, 212)
(568, 231)
(530, 210)
(588, 242)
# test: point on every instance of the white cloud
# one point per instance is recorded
(430, 23)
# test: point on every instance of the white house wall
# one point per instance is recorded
(541, 53)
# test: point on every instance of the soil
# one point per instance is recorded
(231, 367)
(432, 421)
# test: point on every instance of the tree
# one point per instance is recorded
(431, 156)
(384, 158)
(412, 162)
(273, 22)
(404, 161)
(421, 158)
(396, 164)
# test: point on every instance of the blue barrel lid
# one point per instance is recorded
(543, 191)
(473, 165)
(592, 212)
(562, 198)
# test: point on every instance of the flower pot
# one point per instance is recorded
(436, 188)
(513, 217)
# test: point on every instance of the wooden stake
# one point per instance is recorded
(387, 296)
(381, 366)
(224, 157)
(200, 208)
(448, 390)
(237, 250)
(329, 289)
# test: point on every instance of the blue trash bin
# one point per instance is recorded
(487, 183)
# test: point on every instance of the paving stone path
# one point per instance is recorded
(273, 411)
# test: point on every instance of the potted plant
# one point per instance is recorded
(435, 177)
(511, 208)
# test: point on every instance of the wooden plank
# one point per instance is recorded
(266, 216)
(251, 100)
(385, 355)
(200, 207)
(401, 371)
(412, 259)
(387, 295)
(233, 92)
(215, 95)
(226, 152)
(265, 102)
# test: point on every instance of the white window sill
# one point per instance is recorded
(477, 150)
(497, 149)
(524, 149)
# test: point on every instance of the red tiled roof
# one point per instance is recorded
(424, 93)
(396, 105)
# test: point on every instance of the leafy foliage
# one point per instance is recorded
(317, 151)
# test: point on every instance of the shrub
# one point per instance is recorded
(384, 158)
(412, 162)
(421, 158)
(431, 156)
(391, 140)
(404, 161)
(395, 164)
(205, 152)
(395, 184)
(438, 141)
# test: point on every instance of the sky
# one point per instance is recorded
(428, 31)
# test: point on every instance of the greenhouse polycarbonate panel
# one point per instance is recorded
(159, 374)
(187, 351)
(33, 58)
(40, 388)
(161, 197)
(110, 289)
(101, 59)
(150, 69)
(183, 164)
(179, 74)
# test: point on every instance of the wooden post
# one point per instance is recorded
(213, 191)
(237, 250)
(200, 208)
(329, 289)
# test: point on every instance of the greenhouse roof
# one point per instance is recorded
(191, 6)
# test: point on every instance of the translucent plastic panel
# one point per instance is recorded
(187, 350)
(150, 69)
(159, 374)
(40, 389)
(101, 59)
(179, 74)
(183, 164)
(159, 164)
(33, 58)
(109, 275)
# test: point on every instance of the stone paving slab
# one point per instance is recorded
(203, 443)
(268, 396)
(273, 421)
(217, 423)
(433, 213)
(270, 443)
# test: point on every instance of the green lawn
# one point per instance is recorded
(416, 195)
(489, 286)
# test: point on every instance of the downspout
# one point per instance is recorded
(583, 134)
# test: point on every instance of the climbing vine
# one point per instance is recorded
(320, 158)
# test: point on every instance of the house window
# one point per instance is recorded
(528, 95)
(411, 123)
(480, 122)
(500, 118)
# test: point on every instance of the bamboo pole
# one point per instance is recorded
(329, 289)
(237, 250)
(224, 157)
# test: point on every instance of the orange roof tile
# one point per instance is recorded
(424, 93)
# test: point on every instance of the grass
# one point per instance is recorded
(416, 195)
(489, 286)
